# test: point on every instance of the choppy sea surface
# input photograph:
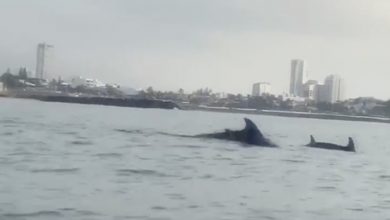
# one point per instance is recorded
(71, 161)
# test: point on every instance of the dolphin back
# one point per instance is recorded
(350, 147)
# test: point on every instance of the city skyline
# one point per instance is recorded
(171, 45)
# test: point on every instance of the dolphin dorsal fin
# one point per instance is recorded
(250, 126)
(312, 141)
(351, 144)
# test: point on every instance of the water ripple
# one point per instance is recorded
(61, 170)
(80, 142)
(136, 131)
(326, 188)
(293, 161)
(104, 155)
(387, 177)
(34, 214)
(143, 172)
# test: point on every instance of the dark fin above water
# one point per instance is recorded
(312, 141)
(351, 144)
(250, 126)
(253, 135)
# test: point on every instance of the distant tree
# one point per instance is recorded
(339, 107)
(22, 73)
(324, 106)
(286, 104)
(264, 102)
(112, 91)
(9, 81)
(150, 90)
(81, 89)
(387, 108)
(53, 84)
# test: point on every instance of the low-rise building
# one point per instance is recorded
(261, 88)
(90, 83)
(309, 89)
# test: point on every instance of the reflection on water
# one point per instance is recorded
(95, 162)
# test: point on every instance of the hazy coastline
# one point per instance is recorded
(293, 114)
(164, 104)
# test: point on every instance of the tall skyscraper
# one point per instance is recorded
(41, 55)
(336, 88)
(332, 90)
(261, 88)
(298, 72)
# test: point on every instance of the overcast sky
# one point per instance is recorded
(223, 44)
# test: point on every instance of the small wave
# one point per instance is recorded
(22, 153)
(188, 146)
(129, 172)
(223, 158)
(294, 161)
(34, 214)
(67, 209)
(217, 205)
(129, 131)
(108, 155)
(9, 121)
(176, 196)
(87, 213)
(384, 176)
(159, 208)
(68, 132)
(79, 212)
(144, 158)
(207, 176)
(193, 206)
(238, 177)
(237, 164)
(7, 133)
(64, 170)
(326, 188)
(138, 217)
(356, 209)
(79, 142)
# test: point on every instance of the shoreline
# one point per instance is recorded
(97, 100)
(163, 104)
(292, 114)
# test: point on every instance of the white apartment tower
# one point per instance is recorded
(297, 77)
(41, 55)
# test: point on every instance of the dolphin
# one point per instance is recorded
(350, 147)
(250, 135)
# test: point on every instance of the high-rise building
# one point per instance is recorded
(297, 77)
(41, 55)
(332, 90)
(336, 88)
(261, 88)
(309, 89)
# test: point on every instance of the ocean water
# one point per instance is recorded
(71, 161)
